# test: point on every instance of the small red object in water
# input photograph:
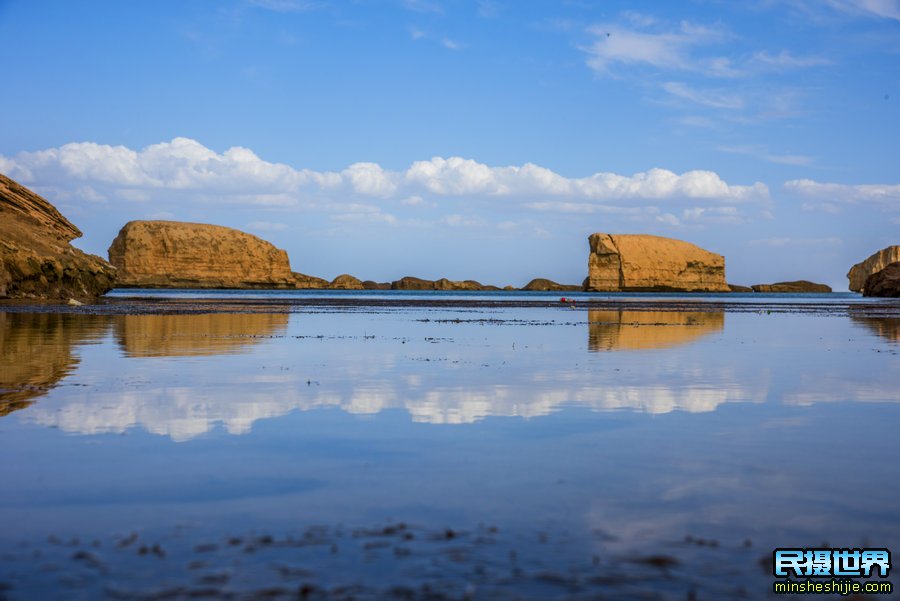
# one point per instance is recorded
(563, 300)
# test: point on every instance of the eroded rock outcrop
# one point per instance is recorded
(193, 255)
(36, 259)
(875, 263)
(345, 281)
(638, 262)
(303, 281)
(884, 283)
(545, 285)
(789, 287)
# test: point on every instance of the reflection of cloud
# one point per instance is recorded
(183, 413)
(36, 353)
(621, 330)
(183, 335)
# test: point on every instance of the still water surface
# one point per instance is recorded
(558, 449)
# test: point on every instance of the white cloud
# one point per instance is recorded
(785, 60)
(888, 9)
(617, 44)
(266, 226)
(711, 98)
(782, 242)
(424, 6)
(450, 44)
(184, 171)
(456, 220)
(285, 6)
(761, 153)
(831, 197)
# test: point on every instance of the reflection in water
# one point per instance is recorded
(36, 352)
(458, 381)
(634, 330)
(185, 413)
(193, 335)
(886, 327)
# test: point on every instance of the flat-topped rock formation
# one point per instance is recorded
(639, 262)
(884, 283)
(739, 288)
(152, 254)
(788, 287)
(36, 259)
(875, 263)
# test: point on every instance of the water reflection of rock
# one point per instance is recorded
(37, 350)
(192, 335)
(635, 330)
(886, 327)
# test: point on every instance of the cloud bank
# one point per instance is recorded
(187, 170)
(831, 197)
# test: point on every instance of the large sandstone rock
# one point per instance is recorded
(173, 254)
(797, 286)
(36, 259)
(885, 282)
(638, 262)
(878, 261)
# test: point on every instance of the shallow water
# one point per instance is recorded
(477, 452)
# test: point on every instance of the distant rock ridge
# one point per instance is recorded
(640, 262)
(150, 254)
(36, 258)
(875, 263)
(792, 287)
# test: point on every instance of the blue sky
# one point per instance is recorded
(467, 139)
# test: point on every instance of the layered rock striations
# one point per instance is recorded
(639, 262)
(875, 263)
(36, 259)
(150, 254)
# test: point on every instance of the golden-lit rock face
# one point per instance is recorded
(194, 335)
(37, 351)
(875, 263)
(637, 330)
(638, 262)
(36, 259)
(195, 255)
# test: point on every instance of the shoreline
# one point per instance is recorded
(139, 305)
